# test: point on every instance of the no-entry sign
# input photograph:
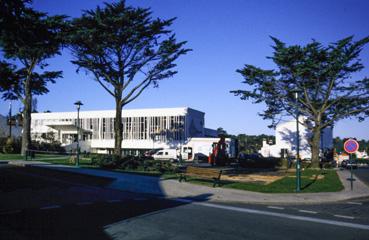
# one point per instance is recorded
(351, 146)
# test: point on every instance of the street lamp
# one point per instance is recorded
(10, 119)
(78, 104)
(298, 166)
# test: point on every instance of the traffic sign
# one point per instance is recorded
(351, 146)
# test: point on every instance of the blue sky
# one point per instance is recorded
(224, 35)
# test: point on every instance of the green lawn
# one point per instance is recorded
(10, 156)
(50, 158)
(309, 184)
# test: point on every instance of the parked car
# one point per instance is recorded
(349, 163)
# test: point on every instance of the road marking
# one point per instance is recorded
(114, 201)
(10, 212)
(343, 216)
(288, 216)
(84, 203)
(355, 203)
(274, 207)
(308, 211)
(50, 207)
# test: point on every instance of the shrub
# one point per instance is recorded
(132, 163)
(105, 161)
(11, 145)
(45, 146)
(260, 162)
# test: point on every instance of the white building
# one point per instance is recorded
(143, 129)
(285, 140)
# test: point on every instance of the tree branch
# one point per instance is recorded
(99, 81)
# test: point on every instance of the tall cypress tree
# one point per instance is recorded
(324, 78)
(126, 51)
(27, 39)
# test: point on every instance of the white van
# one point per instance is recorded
(166, 154)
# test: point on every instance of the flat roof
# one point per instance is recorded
(142, 112)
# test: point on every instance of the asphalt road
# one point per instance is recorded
(42, 204)
(363, 174)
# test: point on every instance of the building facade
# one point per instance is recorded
(143, 129)
(285, 141)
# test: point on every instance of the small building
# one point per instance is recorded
(363, 155)
(143, 129)
(285, 137)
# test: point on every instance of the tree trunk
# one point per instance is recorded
(315, 147)
(26, 135)
(118, 129)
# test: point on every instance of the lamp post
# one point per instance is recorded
(298, 167)
(78, 104)
(10, 119)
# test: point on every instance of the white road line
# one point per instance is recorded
(274, 207)
(288, 216)
(308, 211)
(355, 203)
(84, 203)
(10, 212)
(343, 216)
(114, 201)
(50, 207)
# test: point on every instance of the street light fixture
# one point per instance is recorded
(298, 165)
(78, 104)
(10, 119)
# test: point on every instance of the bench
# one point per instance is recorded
(208, 173)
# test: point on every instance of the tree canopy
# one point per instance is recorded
(27, 39)
(322, 75)
(125, 50)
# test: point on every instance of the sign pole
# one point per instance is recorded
(352, 179)
(351, 146)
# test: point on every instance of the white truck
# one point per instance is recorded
(196, 149)
(166, 154)
(203, 147)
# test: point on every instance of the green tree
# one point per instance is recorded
(323, 77)
(338, 144)
(27, 39)
(222, 132)
(249, 144)
(126, 50)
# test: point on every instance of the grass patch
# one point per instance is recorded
(49, 158)
(4, 156)
(309, 183)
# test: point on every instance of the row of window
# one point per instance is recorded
(164, 128)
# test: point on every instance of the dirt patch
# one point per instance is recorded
(259, 178)
(319, 177)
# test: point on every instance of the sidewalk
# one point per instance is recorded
(175, 189)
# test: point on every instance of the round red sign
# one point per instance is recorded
(351, 146)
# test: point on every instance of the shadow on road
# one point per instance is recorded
(70, 220)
